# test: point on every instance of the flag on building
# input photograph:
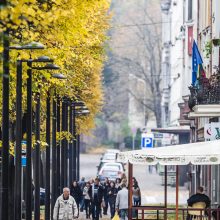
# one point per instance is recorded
(197, 68)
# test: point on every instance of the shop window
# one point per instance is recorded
(189, 10)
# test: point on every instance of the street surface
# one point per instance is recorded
(150, 183)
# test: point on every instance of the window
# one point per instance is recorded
(189, 10)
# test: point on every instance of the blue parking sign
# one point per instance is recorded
(147, 142)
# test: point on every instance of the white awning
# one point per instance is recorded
(200, 153)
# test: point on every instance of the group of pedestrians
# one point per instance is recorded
(94, 198)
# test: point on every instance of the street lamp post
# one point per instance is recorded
(70, 144)
(74, 142)
(47, 185)
(64, 143)
(5, 127)
(81, 112)
(78, 157)
(48, 128)
(5, 122)
(58, 186)
(49, 66)
(54, 156)
(29, 192)
(17, 191)
(37, 161)
(78, 108)
(18, 202)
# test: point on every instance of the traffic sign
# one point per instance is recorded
(23, 161)
(147, 140)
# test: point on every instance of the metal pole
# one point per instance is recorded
(71, 145)
(17, 191)
(133, 147)
(65, 142)
(78, 158)
(130, 185)
(37, 162)
(177, 191)
(58, 150)
(62, 147)
(54, 178)
(29, 192)
(47, 188)
(5, 127)
(74, 142)
(165, 192)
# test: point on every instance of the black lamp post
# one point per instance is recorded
(64, 143)
(49, 66)
(5, 127)
(59, 76)
(5, 123)
(29, 191)
(75, 104)
(17, 191)
(70, 144)
(83, 111)
(58, 180)
(54, 156)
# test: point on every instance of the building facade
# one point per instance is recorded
(183, 22)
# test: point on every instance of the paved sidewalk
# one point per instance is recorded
(83, 216)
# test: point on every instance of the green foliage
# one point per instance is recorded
(125, 129)
(208, 49)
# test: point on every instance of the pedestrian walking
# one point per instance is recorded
(65, 207)
(87, 199)
(96, 195)
(76, 192)
(112, 193)
(136, 194)
(82, 184)
(106, 186)
(122, 202)
(118, 183)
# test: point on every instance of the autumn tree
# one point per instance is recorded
(74, 32)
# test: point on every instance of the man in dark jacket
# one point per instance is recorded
(82, 184)
(106, 187)
(96, 195)
(198, 197)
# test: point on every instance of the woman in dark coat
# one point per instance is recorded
(76, 193)
(112, 193)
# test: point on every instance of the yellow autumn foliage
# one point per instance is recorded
(74, 32)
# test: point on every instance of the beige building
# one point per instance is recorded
(198, 20)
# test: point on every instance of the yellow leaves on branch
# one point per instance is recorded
(74, 32)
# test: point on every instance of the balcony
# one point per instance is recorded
(204, 100)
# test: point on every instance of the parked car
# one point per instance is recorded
(106, 157)
(116, 151)
(109, 157)
(112, 171)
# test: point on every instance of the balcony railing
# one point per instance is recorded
(206, 91)
(163, 213)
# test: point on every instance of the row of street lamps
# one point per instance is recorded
(60, 153)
